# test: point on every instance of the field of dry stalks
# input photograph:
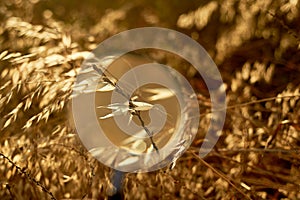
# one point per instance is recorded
(256, 46)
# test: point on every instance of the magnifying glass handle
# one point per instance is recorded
(117, 181)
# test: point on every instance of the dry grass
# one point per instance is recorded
(256, 46)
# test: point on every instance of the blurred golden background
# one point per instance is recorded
(254, 43)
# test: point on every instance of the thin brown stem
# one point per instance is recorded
(131, 105)
(23, 172)
(220, 174)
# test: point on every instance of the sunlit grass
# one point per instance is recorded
(256, 47)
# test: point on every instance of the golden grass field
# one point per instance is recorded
(256, 46)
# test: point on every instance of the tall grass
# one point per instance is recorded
(254, 43)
